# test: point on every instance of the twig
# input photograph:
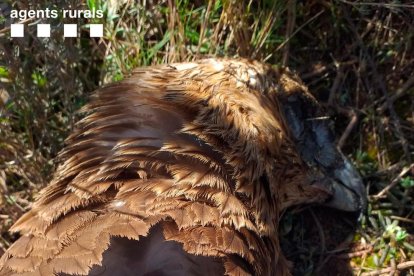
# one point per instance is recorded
(398, 94)
(393, 182)
(336, 83)
(204, 25)
(387, 5)
(3, 186)
(291, 20)
(315, 72)
(353, 115)
(401, 266)
(390, 170)
(349, 127)
(402, 219)
(393, 266)
(355, 254)
(7, 243)
(6, 29)
(296, 31)
(322, 69)
(381, 86)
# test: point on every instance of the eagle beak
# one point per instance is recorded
(348, 191)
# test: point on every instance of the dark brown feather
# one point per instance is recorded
(201, 150)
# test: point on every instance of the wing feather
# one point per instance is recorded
(165, 149)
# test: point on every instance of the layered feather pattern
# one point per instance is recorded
(200, 151)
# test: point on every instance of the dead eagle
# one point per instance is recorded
(185, 169)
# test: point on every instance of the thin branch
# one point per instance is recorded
(402, 219)
(401, 266)
(294, 33)
(336, 83)
(291, 21)
(398, 94)
(381, 86)
(349, 128)
(386, 5)
(394, 182)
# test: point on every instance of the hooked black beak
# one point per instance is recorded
(348, 193)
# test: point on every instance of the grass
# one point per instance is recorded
(356, 57)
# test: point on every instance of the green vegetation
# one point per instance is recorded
(357, 58)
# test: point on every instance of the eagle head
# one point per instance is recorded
(275, 135)
(311, 130)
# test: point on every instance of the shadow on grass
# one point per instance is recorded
(316, 239)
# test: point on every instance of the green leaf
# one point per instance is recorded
(400, 235)
(4, 72)
(39, 79)
(92, 5)
(407, 182)
(159, 45)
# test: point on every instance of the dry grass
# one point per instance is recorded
(357, 58)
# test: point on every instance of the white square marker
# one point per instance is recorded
(96, 30)
(43, 30)
(70, 30)
(17, 30)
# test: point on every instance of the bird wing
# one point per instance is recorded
(128, 167)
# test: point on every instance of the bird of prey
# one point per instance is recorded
(185, 169)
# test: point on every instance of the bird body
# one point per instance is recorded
(181, 169)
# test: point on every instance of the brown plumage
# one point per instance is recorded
(194, 164)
